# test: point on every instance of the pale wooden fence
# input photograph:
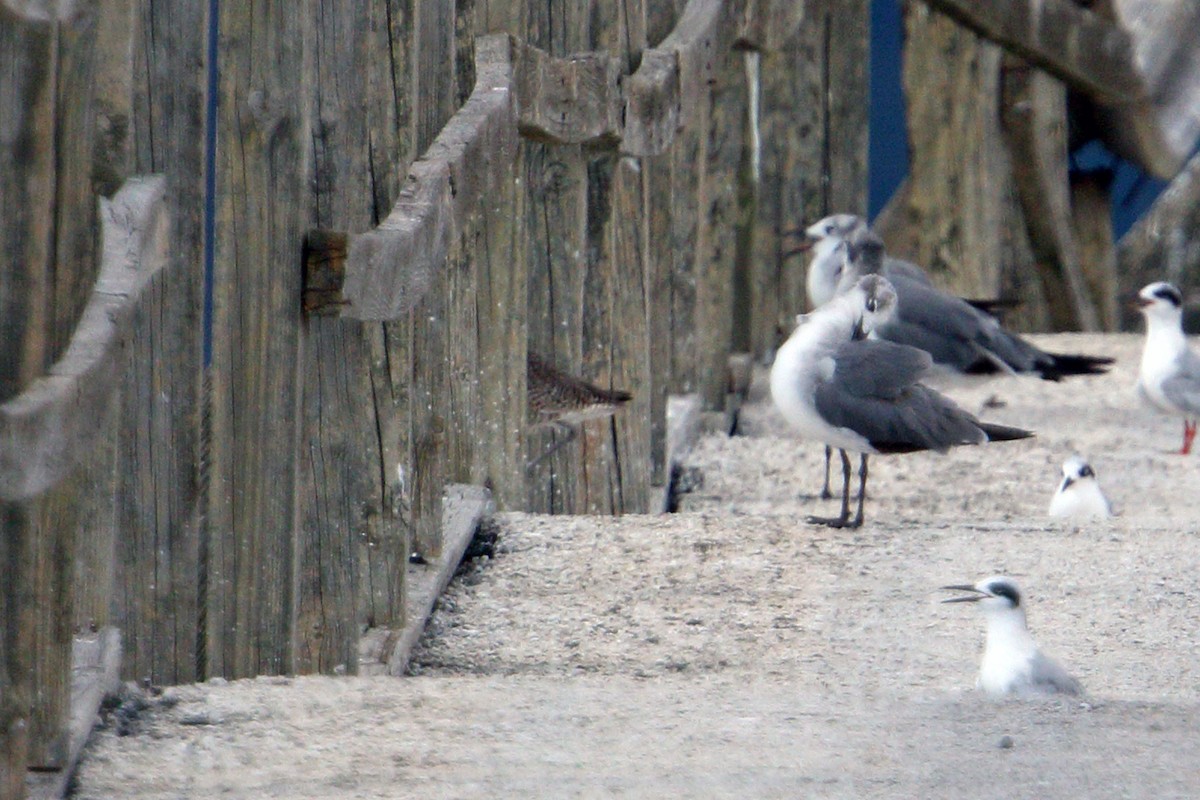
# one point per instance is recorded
(409, 197)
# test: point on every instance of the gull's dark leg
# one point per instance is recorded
(862, 492)
(841, 520)
(826, 494)
(572, 432)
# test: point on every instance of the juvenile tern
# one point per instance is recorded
(1012, 663)
(1170, 372)
(1079, 493)
(861, 395)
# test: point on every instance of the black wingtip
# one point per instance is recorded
(1064, 366)
(1004, 433)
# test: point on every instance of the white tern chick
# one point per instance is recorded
(1079, 493)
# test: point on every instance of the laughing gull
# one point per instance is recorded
(1012, 663)
(961, 338)
(564, 401)
(1170, 373)
(1079, 493)
(862, 395)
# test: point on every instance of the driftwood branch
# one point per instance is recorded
(48, 428)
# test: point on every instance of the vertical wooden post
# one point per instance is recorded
(262, 173)
(159, 602)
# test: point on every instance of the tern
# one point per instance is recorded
(1170, 373)
(1012, 663)
(861, 395)
(1079, 493)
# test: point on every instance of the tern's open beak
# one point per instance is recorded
(1137, 302)
(971, 598)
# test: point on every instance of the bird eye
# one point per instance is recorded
(1086, 472)
(872, 304)
(829, 229)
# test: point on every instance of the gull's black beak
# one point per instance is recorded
(971, 598)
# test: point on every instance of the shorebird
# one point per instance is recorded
(1079, 493)
(564, 401)
(961, 338)
(959, 334)
(1170, 373)
(861, 395)
(1012, 662)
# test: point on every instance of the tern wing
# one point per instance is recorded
(1183, 389)
(1047, 675)
(873, 391)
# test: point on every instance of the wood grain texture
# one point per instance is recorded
(28, 53)
(573, 100)
(1076, 45)
(1035, 129)
(390, 267)
(158, 458)
(960, 218)
(263, 166)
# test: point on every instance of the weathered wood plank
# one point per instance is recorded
(960, 218)
(159, 495)
(389, 268)
(46, 429)
(1074, 44)
(1091, 218)
(28, 59)
(1035, 128)
(557, 206)
(18, 690)
(95, 672)
(463, 508)
(573, 100)
(262, 173)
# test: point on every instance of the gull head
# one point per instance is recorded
(828, 270)
(875, 298)
(996, 596)
(835, 226)
(1160, 301)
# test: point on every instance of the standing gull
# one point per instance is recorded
(1012, 663)
(835, 385)
(1170, 373)
(564, 401)
(1079, 493)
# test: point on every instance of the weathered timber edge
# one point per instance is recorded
(40, 10)
(95, 672)
(1095, 56)
(48, 428)
(389, 269)
(519, 89)
(383, 651)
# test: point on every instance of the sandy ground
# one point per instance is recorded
(733, 650)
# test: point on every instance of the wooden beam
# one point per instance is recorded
(1077, 46)
(389, 269)
(48, 428)
(573, 100)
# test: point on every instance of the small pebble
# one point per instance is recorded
(1006, 742)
